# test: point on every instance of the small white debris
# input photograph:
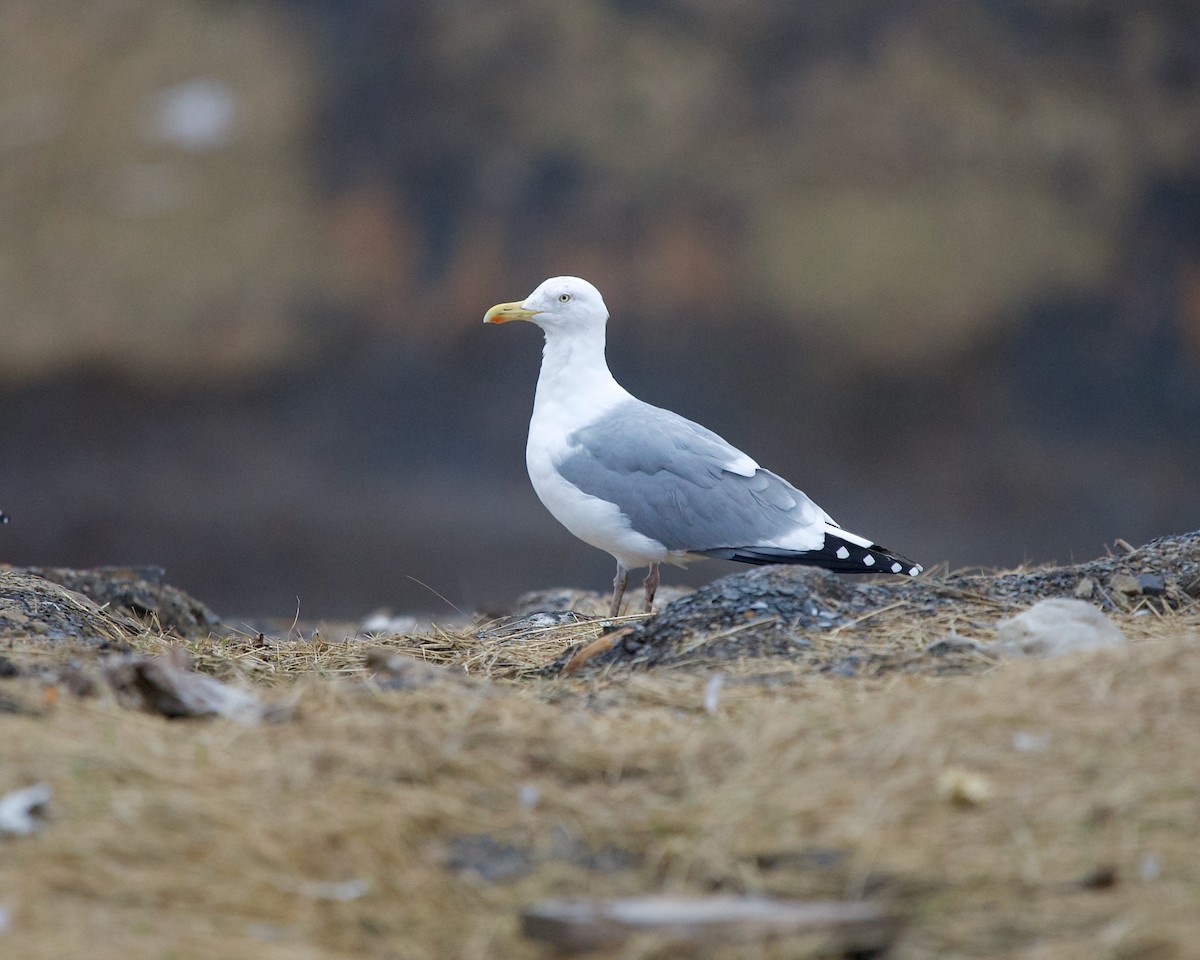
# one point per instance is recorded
(712, 693)
(528, 795)
(5, 917)
(21, 810)
(1150, 868)
(198, 115)
(842, 553)
(1030, 742)
(1051, 628)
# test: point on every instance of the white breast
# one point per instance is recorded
(591, 519)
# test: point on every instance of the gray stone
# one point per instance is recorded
(1152, 584)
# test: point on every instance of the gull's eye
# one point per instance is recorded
(564, 298)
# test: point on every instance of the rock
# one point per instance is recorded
(169, 686)
(1051, 628)
(1152, 584)
(1123, 583)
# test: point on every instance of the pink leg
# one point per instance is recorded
(620, 581)
(651, 585)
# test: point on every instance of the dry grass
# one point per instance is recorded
(209, 839)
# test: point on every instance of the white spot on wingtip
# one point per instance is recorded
(868, 561)
(916, 568)
(896, 568)
(842, 553)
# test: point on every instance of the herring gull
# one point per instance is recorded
(647, 485)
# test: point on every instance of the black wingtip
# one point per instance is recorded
(837, 554)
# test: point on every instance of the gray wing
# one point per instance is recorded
(670, 477)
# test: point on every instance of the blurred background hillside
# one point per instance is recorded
(937, 263)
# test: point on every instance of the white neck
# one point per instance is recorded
(575, 382)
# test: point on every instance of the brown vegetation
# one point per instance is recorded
(424, 788)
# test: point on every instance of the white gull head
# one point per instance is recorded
(559, 304)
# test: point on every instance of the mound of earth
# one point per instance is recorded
(777, 611)
(32, 606)
(102, 604)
